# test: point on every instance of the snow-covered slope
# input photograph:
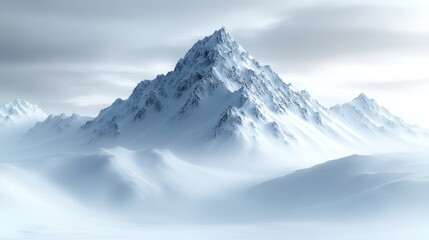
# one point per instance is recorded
(20, 112)
(149, 183)
(61, 196)
(119, 176)
(352, 186)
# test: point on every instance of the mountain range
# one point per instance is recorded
(219, 97)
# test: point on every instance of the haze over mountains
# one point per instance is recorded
(145, 158)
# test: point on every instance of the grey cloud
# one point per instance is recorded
(52, 51)
(119, 9)
(321, 34)
(92, 31)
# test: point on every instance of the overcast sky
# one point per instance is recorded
(80, 55)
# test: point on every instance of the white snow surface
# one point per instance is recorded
(119, 193)
(354, 187)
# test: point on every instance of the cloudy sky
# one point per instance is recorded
(78, 56)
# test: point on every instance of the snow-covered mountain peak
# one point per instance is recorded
(19, 106)
(363, 97)
(220, 37)
(366, 115)
(19, 112)
(370, 107)
(364, 102)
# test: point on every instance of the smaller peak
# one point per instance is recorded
(75, 116)
(364, 100)
(362, 96)
(53, 117)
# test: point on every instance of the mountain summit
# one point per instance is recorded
(218, 95)
(364, 114)
(20, 112)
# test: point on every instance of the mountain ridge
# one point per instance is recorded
(218, 97)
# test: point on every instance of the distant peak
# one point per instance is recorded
(18, 103)
(364, 100)
(20, 111)
(362, 96)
